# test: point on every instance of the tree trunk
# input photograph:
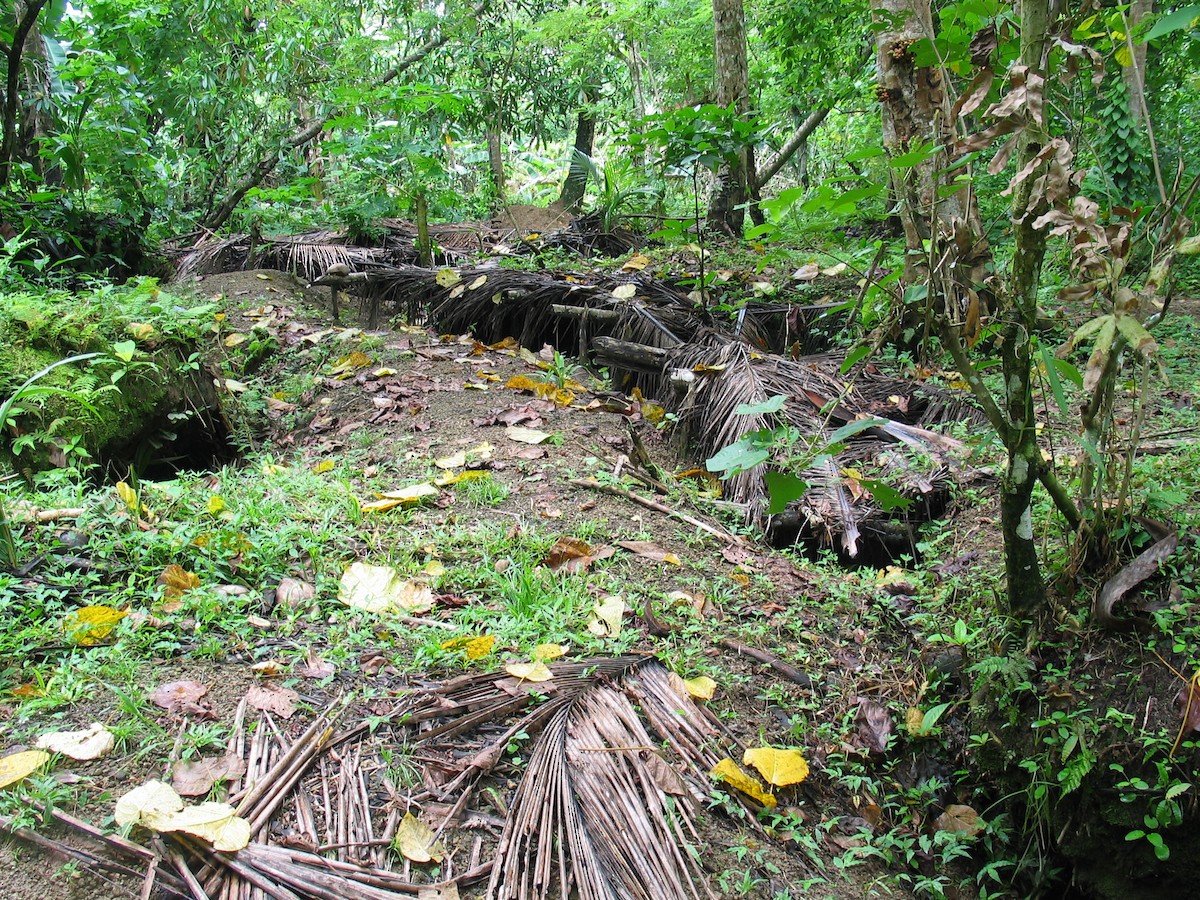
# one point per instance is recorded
(1135, 72)
(797, 143)
(575, 185)
(22, 40)
(496, 167)
(726, 205)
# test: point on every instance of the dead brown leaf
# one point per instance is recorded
(315, 667)
(573, 555)
(182, 698)
(273, 698)
(196, 777)
(649, 550)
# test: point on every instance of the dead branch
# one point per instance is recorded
(714, 530)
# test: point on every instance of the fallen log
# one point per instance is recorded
(641, 357)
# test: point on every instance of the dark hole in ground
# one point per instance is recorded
(196, 441)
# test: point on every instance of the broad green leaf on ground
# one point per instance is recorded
(88, 743)
(729, 772)
(19, 766)
(414, 840)
(380, 589)
(780, 767)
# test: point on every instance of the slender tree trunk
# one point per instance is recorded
(1135, 72)
(797, 143)
(496, 167)
(1026, 589)
(26, 20)
(641, 106)
(726, 205)
(575, 185)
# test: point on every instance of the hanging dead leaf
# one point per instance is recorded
(729, 772)
(19, 766)
(91, 625)
(89, 743)
(273, 698)
(780, 767)
(959, 819)
(414, 840)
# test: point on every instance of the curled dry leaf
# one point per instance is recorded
(184, 697)
(273, 698)
(414, 840)
(19, 766)
(88, 743)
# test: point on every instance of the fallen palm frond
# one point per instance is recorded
(897, 450)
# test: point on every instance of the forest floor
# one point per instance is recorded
(509, 553)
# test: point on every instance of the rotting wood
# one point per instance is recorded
(628, 355)
(770, 659)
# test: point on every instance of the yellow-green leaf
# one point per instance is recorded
(91, 625)
(414, 840)
(20, 766)
(779, 767)
(701, 687)
(543, 652)
(534, 671)
(447, 278)
(380, 589)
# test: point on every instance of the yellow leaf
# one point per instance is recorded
(454, 461)
(88, 743)
(727, 771)
(91, 625)
(449, 478)
(235, 339)
(778, 767)
(702, 368)
(20, 766)
(914, 722)
(157, 806)
(271, 468)
(523, 383)
(433, 569)
(701, 687)
(624, 291)
(475, 647)
(176, 579)
(606, 616)
(379, 505)
(543, 652)
(412, 495)
(236, 387)
(325, 465)
(474, 386)
(380, 589)
(636, 263)
(347, 364)
(414, 840)
(215, 504)
(653, 413)
(490, 377)
(383, 373)
(534, 671)
(477, 283)
(447, 278)
(140, 331)
(128, 496)
(523, 435)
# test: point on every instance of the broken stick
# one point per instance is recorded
(649, 503)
